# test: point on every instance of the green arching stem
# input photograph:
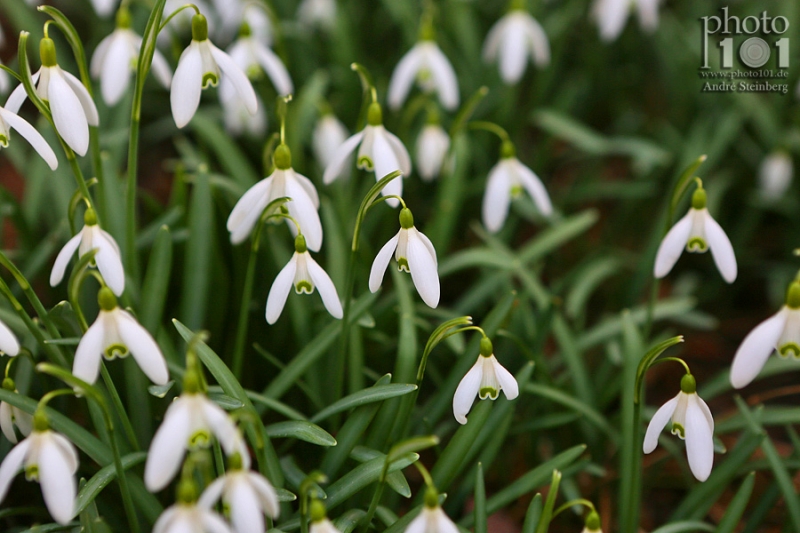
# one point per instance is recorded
(384, 198)
(490, 127)
(311, 479)
(426, 476)
(175, 13)
(572, 503)
(44, 400)
(675, 360)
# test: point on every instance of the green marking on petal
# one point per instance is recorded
(488, 392)
(209, 78)
(4, 141)
(200, 439)
(516, 190)
(365, 163)
(790, 348)
(115, 350)
(678, 430)
(253, 72)
(696, 245)
(32, 472)
(402, 264)
(303, 286)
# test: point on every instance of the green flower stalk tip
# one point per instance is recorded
(699, 198)
(235, 461)
(592, 522)
(106, 299)
(507, 150)
(199, 28)
(123, 18)
(486, 347)
(300, 244)
(90, 217)
(40, 422)
(187, 491)
(431, 498)
(317, 510)
(793, 295)
(374, 114)
(688, 384)
(47, 51)
(282, 157)
(406, 218)
(244, 30)
(9, 385)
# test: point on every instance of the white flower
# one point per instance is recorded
(115, 58)
(10, 120)
(431, 520)
(486, 378)
(692, 421)
(779, 332)
(115, 333)
(236, 116)
(425, 63)
(72, 108)
(432, 145)
(198, 67)
(107, 258)
(186, 517)
(506, 179)
(319, 13)
(304, 274)
(3, 82)
(775, 175)
(696, 232)
(9, 344)
(380, 151)
(511, 40)
(329, 135)
(612, 14)
(188, 424)
(323, 526)
(283, 182)
(251, 56)
(415, 254)
(11, 416)
(50, 459)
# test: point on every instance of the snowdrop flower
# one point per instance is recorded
(116, 57)
(188, 423)
(284, 181)
(72, 108)
(592, 523)
(779, 332)
(198, 67)
(9, 344)
(432, 518)
(486, 378)
(115, 333)
(319, 13)
(329, 135)
(236, 116)
(320, 522)
(252, 56)
(184, 517)
(612, 14)
(246, 494)
(775, 175)
(379, 150)
(50, 459)
(432, 145)
(692, 421)
(696, 232)
(304, 274)
(108, 258)
(10, 120)
(11, 416)
(425, 63)
(508, 178)
(512, 40)
(415, 254)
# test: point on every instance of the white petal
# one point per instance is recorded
(6, 424)
(66, 253)
(400, 152)
(699, 440)
(537, 38)
(535, 188)
(513, 53)
(30, 134)
(721, 249)
(279, 291)
(307, 186)
(429, 245)
(648, 14)
(68, 114)
(275, 69)
(237, 77)
(423, 269)
(492, 43)
(57, 481)
(245, 511)
(164, 521)
(143, 348)
(168, 446)
(184, 94)
(403, 76)
(67, 449)
(706, 412)
(327, 290)
(18, 95)
(98, 58)
(445, 77)
(87, 103)
(302, 208)
(336, 167)
(467, 390)
(657, 424)
(115, 74)
(214, 524)
(8, 341)
(420, 522)
(109, 263)
(221, 425)
(103, 7)
(266, 494)
(756, 348)
(672, 245)
(386, 162)
(161, 69)
(87, 356)
(12, 464)
(248, 209)
(443, 522)
(212, 493)
(497, 198)
(611, 16)
(381, 262)
(508, 384)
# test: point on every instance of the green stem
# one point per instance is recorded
(247, 291)
(131, 265)
(121, 412)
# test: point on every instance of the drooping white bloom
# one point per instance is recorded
(513, 39)
(696, 232)
(780, 332)
(508, 178)
(11, 416)
(775, 175)
(72, 108)
(252, 56)
(198, 67)
(9, 344)
(50, 459)
(379, 150)
(304, 274)
(329, 135)
(432, 145)
(323, 526)
(431, 520)
(486, 379)
(236, 116)
(283, 182)
(612, 14)
(427, 64)
(108, 257)
(115, 59)
(104, 7)
(186, 517)
(188, 423)
(115, 333)
(10, 120)
(692, 421)
(319, 13)
(415, 254)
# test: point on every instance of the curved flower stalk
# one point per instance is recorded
(10, 120)
(414, 254)
(115, 58)
(485, 379)
(11, 416)
(691, 421)
(612, 14)
(379, 150)
(253, 57)
(775, 175)
(329, 134)
(71, 105)
(508, 178)
(512, 40)
(115, 333)
(108, 258)
(427, 64)
(304, 274)
(780, 332)
(696, 232)
(432, 146)
(199, 66)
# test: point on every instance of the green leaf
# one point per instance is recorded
(369, 395)
(533, 515)
(396, 480)
(197, 264)
(575, 404)
(225, 401)
(103, 477)
(305, 431)
(451, 462)
(686, 526)
(230, 156)
(159, 391)
(480, 501)
(348, 521)
(733, 514)
(156, 281)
